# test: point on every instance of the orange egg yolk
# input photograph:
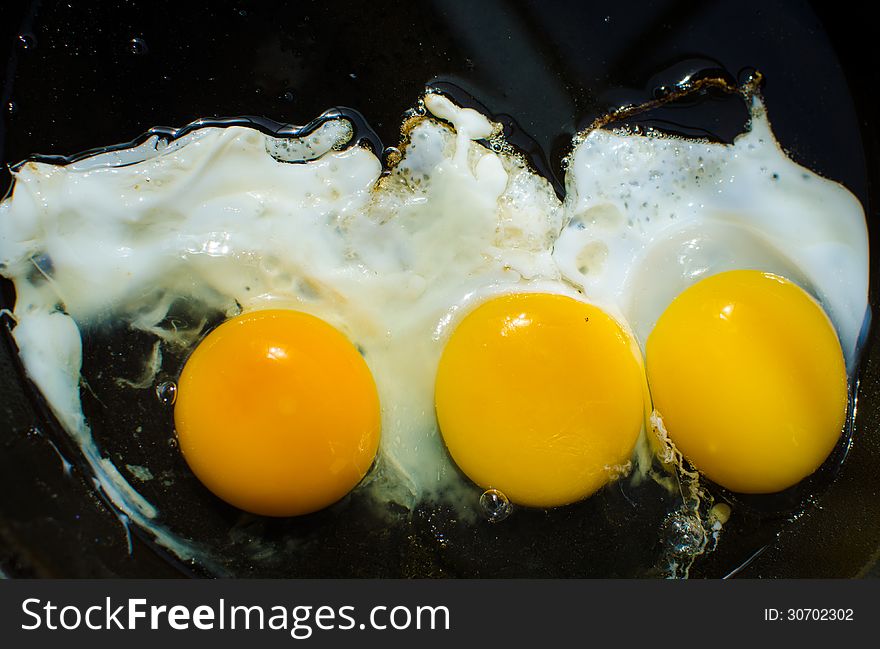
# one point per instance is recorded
(277, 413)
(747, 373)
(540, 396)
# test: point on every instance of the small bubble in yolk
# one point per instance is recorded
(277, 413)
(540, 396)
(747, 372)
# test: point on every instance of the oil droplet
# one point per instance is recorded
(166, 392)
(172, 442)
(287, 96)
(495, 505)
(137, 46)
(27, 41)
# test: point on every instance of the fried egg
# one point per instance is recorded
(448, 326)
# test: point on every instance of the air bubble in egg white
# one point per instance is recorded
(494, 505)
(166, 392)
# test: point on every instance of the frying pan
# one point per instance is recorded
(79, 76)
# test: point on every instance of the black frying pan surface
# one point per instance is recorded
(79, 76)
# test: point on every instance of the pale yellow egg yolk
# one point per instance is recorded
(277, 413)
(747, 373)
(540, 396)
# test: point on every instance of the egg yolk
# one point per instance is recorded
(748, 375)
(277, 413)
(540, 396)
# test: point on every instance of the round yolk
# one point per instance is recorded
(277, 413)
(747, 373)
(540, 396)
